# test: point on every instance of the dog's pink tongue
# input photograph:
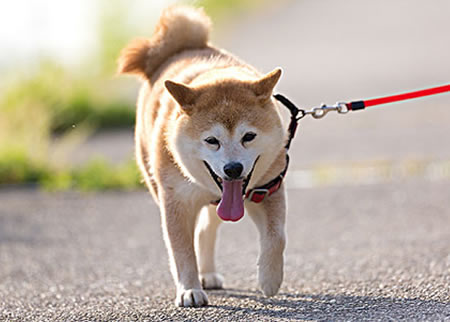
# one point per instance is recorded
(231, 206)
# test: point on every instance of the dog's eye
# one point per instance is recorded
(249, 136)
(212, 140)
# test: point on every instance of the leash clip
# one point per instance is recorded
(322, 110)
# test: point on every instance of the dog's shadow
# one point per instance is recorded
(331, 307)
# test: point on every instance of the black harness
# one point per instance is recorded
(260, 193)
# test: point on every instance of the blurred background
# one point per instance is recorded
(66, 119)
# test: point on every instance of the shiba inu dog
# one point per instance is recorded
(207, 129)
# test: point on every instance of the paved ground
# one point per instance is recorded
(374, 252)
(356, 251)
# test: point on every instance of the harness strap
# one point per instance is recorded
(260, 193)
(294, 120)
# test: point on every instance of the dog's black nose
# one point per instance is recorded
(233, 169)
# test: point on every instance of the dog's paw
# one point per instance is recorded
(270, 278)
(270, 287)
(191, 298)
(211, 281)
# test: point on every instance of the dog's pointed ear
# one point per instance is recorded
(184, 95)
(263, 87)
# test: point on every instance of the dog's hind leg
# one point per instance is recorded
(269, 217)
(205, 240)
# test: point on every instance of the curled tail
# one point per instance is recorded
(179, 27)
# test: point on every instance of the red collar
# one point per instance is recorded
(258, 194)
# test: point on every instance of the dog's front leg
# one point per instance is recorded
(205, 240)
(269, 217)
(178, 221)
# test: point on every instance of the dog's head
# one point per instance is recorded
(226, 132)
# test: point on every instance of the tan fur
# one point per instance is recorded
(191, 89)
(179, 28)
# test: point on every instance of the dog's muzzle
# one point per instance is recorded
(218, 180)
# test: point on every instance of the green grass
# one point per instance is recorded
(68, 100)
(98, 174)
(95, 175)
(16, 167)
(51, 102)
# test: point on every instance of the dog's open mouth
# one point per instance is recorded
(231, 205)
(218, 180)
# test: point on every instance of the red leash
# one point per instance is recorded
(358, 105)
(342, 107)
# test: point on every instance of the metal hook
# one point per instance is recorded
(322, 110)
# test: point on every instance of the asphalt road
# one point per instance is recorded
(365, 244)
(378, 252)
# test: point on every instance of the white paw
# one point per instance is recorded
(270, 278)
(211, 281)
(192, 297)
